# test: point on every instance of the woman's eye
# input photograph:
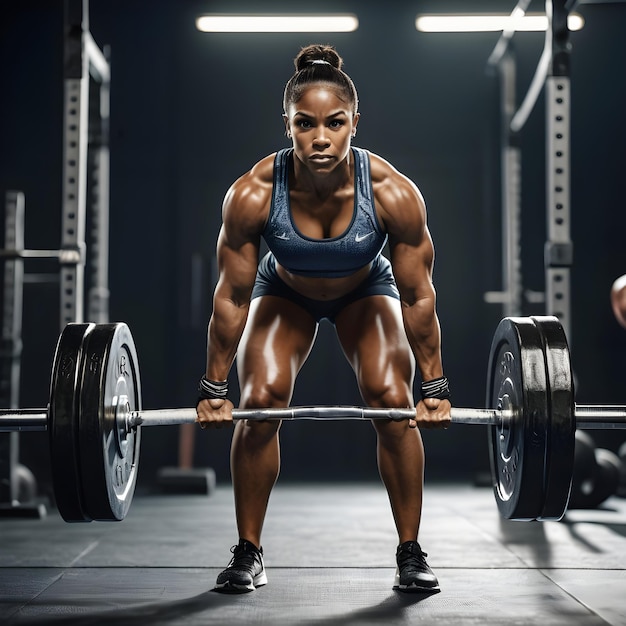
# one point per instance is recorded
(304, 124)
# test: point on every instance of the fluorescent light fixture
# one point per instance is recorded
(220, 23)
(487, 23)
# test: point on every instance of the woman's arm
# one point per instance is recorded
(403, 211)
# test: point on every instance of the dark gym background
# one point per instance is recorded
(190, 112)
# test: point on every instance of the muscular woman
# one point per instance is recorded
(325, 209)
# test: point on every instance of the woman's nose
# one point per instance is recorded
(321, 135)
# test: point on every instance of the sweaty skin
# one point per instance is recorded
(383, 339)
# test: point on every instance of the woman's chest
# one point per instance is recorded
(328, 219)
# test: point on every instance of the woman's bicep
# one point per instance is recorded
(412, 264)
(237, 264)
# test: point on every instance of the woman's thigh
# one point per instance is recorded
(372, 336)
(276, 342)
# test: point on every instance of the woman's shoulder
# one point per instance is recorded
(380, 167)
(261, 173)
(255, 185)
(388, 182)
(248, 199)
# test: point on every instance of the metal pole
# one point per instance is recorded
(511, 164)
(75, 138)
(502, 46)
(559, 248)
(13, 291)
(98, 293)
(13, 297)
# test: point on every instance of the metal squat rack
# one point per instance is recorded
(553, 71)
(87, 78)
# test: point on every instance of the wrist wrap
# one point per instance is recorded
(212, 390)
(436, 388)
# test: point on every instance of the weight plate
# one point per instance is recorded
(516, 383)
(109, 452)
(63, 423)
(562, 425)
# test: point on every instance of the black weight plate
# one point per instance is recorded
(110, 372)
(562, 425)
(516, 382)
(63, 423)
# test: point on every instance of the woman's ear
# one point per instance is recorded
(287, 131)
(355, 122)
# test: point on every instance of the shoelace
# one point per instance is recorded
(242, 557)
(409, 555)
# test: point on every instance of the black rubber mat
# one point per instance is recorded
(330, 560)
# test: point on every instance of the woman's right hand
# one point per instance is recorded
(215, 413)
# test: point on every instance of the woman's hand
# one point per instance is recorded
(215, 413)
(431, 413)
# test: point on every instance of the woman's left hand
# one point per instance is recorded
(431, 413)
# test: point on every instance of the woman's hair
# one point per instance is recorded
(319, 63)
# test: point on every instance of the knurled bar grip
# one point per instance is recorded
(177, 416)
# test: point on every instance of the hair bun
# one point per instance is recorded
(320, 53)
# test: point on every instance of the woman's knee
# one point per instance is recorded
(257, 395)
(257, 433)
(381, 394)
(398, 436)
(264, 396)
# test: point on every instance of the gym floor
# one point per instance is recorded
(330, 560)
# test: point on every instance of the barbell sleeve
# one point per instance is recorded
(23, 420)
(600, 417)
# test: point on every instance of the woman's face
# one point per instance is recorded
(321, 126)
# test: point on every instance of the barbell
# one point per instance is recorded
(94, 419)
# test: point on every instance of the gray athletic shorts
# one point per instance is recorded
(379, 282)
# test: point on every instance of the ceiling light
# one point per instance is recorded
(219, 23)
(488, 23)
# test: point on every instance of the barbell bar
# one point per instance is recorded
(94, 419)
(588, 416)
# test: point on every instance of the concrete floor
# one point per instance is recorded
(330, 560)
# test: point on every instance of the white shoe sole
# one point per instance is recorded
(259, 581)
(415, 587)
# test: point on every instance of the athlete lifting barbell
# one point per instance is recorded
(339, 206)
(94, 419)
(325, 210)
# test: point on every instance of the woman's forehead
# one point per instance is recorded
(320, 96)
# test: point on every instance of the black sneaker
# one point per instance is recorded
(413, 573)
(245, 572)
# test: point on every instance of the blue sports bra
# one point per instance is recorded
(333, 257)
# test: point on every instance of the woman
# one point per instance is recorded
(325, 210)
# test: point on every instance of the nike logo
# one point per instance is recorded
(284, 236)
(359, 238)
